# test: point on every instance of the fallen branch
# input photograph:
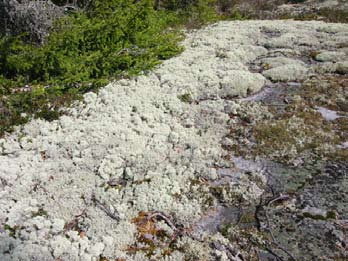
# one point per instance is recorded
(229, 251)
(163, 217)
(102, 206)
(279, 198)
(284, 250)
(177, 231)
(73, 224)
(273, 241)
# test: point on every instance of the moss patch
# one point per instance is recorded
(296, 131)
(291, 136)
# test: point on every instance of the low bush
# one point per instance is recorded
(104, 40)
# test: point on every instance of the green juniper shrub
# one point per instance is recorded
(84, 51)
(99, 42)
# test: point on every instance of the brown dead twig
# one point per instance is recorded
(74, 223)
(152, 236)
(157, 215)
(178, 229)
(273, 241)
(148, 231)
(230, 252)
(36, 186)
(112, 213)
(279, 198)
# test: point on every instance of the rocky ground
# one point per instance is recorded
(324, 10)
(234, 150)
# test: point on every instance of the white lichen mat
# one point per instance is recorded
(69, 189)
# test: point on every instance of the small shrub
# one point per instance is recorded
(98, 42)
(84, 51)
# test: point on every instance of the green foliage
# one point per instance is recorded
(198, 13)
(39, 212)
(186, 98)
(13, 231)
(114, 37)
(85, 50)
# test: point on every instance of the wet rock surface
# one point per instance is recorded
(213, 156)
(303, 209)
(307, 211)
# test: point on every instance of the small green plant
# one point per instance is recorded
(185, 98)
(12, 230)
(39, 212)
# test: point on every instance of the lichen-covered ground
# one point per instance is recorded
(234, 150)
